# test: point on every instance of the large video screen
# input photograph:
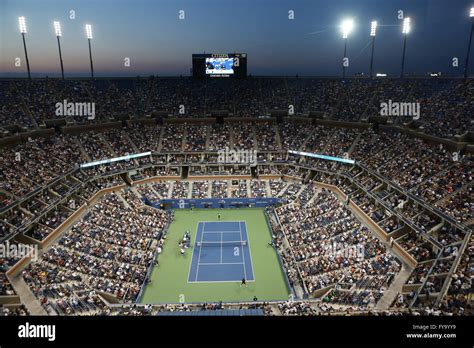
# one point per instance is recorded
(208, 65)
(219, 66)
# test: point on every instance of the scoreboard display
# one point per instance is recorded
(220, 65)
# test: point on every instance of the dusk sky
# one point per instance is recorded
(157, 42)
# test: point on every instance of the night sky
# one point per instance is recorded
(157, 42)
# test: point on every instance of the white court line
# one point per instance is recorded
(214, 242)
(222, 231)
(243, 254)
(250, 251)
(222, 263)
(221, 248)
(200, 248)
(223, 222)
(194, 250)
(219, 281)
(213, 264)
(226, 222)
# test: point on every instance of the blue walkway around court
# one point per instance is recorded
(222, 257)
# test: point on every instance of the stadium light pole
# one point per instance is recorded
(22, 24)
(466, 64)
(373, 30)
(57, 31)
(89, 38)
(405, 31)
(346, 27)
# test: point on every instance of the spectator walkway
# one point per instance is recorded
(27, 297)
(395, 288)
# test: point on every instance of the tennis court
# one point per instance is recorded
(170, 276)
(221, 253)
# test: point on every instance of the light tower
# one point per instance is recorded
(57, 31)
(405, 31)
(89, 38)
(373, 30)
(346, 27)
(22, 24)
(466, 64)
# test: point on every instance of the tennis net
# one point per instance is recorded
(222, 244)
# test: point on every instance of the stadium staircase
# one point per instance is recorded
(455, 192)
(279, 194)
(189, 189)
(123, 200)
(132, 144)
(160, 139)
(84, 153)
(303, 144)
(102, 139)
(231, 137)
(277, 138)
(318, 190)
(329, 140)
(208, 137)
(254, 138)
(185, 139)
(249, 188)
(26, 295)
(394, 289)
(354, 144)
(170, 189)
(27, 111)
(267, 188)
(441, 173)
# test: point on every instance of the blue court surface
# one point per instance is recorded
(221, 253)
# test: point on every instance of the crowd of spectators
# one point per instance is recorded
(219, 189)
(332, 247)
(445, 103)
(200, 189)
(195, 138)
(108, 250)
(458, 300)
(432, 172)
(258, 188)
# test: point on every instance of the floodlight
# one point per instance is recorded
(405, 30)
(57, 31)
(89, 31)
(406, 25)
(373, 31)
(373, 28)
(466, 64)
(89, 38)
(22, 23)
(346, 27)
(57, 28)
